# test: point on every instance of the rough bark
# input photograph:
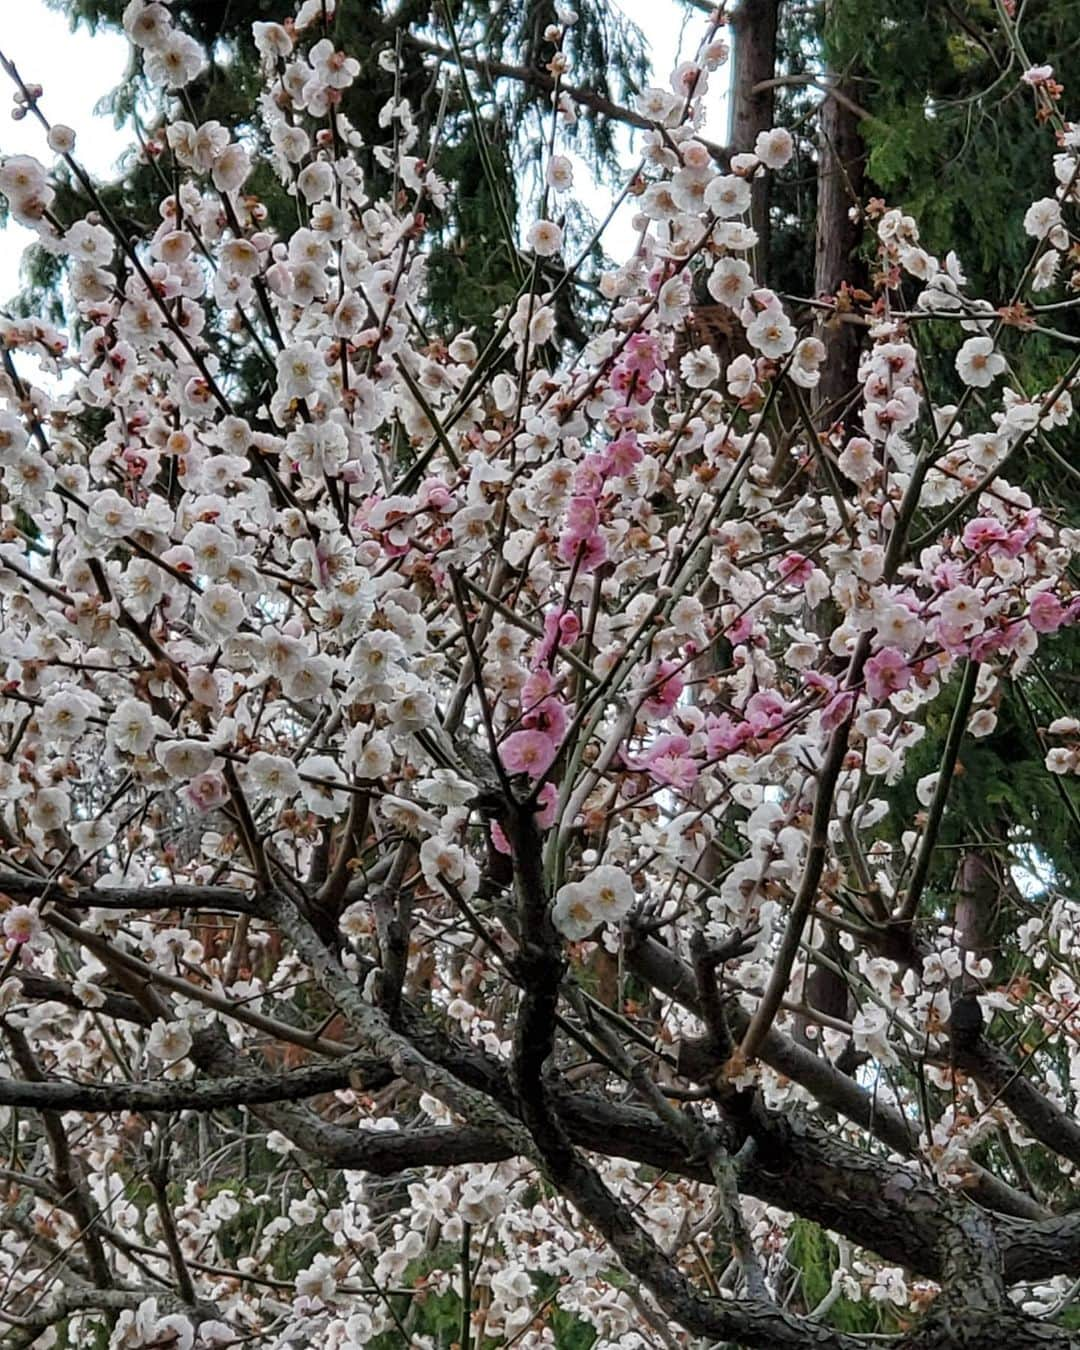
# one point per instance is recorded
(883, 1204)
(754, 28)
(840, 174)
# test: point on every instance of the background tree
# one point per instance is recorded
(924, 106)
(487, 137)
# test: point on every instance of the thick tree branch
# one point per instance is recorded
(753, 1322)
(69, 1300)
(1036, 1251)
(179, 1094)
(121, 1007)
(697, 1059)
(67, 1173)
(380, 1037)
(216, 899)
(996, 1072)
(881, 1205)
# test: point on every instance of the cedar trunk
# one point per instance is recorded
(754, 27)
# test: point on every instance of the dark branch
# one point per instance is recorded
(997, 1073)
(697, 1060)
(216, 899)
(542, 80)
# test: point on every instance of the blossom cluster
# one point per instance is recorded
(308, 632)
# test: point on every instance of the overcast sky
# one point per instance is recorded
(77, 70)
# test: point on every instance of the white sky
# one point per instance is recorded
(77, 70)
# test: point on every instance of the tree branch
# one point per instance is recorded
(67, 1174)
(216, 899)
(665, 971)
(540, 79)
(816, 855)
(996, 1072)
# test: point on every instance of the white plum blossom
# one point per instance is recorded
(559, 173)
(545, 238)
(573, 913)
(771, 333)
(221, 610)
(231, 168)
(63, 716)
(132, 727)
(315, 180)
(700, 368)
(774, 147)
(431, 744)
(320, 775)
(730, 281)
(111, 514)
(169, 1041)
(87, 243)
(978, 364)
(272, 774)
(604, 895)
(184, 759)
(728, 196)
(175, 61)
(301, 371)
(21, 925)
(740, 376)
(1042, 216)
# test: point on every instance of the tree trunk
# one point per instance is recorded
(841, 167)
(979, 884)
(753, 27)
(841, 159)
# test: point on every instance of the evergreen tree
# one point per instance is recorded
(952, 135)
(478, 73)
(923, 106)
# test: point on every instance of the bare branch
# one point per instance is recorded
(215, 899)
(591, 99)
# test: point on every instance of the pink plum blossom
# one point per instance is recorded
(530, 752)
(887, 672)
